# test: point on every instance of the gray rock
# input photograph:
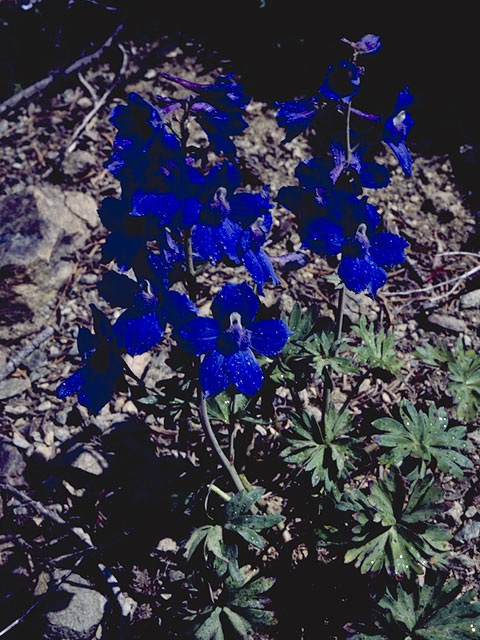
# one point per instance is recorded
(12, 387)
(41, 228)
(12, 464)
(470, 300)
(91, 461)
(74, 610)
(78, 162)
(450, 323)
(470, 531)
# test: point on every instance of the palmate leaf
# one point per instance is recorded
(327, 452)
(378, 349)
(393, 530)
(292, 365)
(463, 368)
(219, 549)
(430, 612)
(325, 349)
(424, 437)
(464, 373)
(241, 607)
(226, 407)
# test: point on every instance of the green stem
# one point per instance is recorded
(353, 391)
(340, 312)
(207, 427)
(219, 492)
(347, 136)
(327, 377)
(190, 271)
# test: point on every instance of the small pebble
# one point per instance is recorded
(150, 74)
(84, 102)
(16, 409)
(44, 406)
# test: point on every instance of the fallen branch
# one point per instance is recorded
(100, 103)
(126, 605)
(25, 351)
(41, 85)
(463, 276)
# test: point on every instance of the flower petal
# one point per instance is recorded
(213, 378)
(235, 297)
(296, 115)
(269, 336)
(244, 371)
(361, 274)
(118, 290)
(245, 208)
(387, 249)
(403, 156)
(324, 237)
(137, 334)
(199, 335)
(73, 383)
(96, 392)
(259, 266)
(205, 244)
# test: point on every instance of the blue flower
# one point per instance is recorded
(219, 111)
(364, 259)
(229, 339)
(296, 115)
(254, 258)
(366, 45)
(342, 82)
(224, 94)
(219, 126)
(143, 143)
(102, 373)
(396, 129)
(141, 326)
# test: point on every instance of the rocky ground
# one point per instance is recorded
(100, 481)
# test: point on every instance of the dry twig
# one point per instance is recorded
(100, 103)
(41, 85)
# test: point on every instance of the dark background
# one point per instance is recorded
(281, 50)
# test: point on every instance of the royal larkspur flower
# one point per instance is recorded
(229, 339)
(252, 255)
(141, 326)
(143, 144)
(370, 43)
(333, 221)
(397, 128)
(219, 109)
(103, 370)
(341, 83)
(365, 259)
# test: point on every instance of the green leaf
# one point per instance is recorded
(378, 349)
(463, 367)
(197, 536)
(423, 437)
(430, 612)
(242, 502)
(211, 629)
(327, 452)
(464, 373)
(433, 355)
(325, 349)
(393, 533)
(240, 625)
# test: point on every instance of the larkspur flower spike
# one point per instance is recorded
(229, 339)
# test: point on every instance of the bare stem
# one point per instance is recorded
(190, 271)
(207, 427)
(327, 377)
